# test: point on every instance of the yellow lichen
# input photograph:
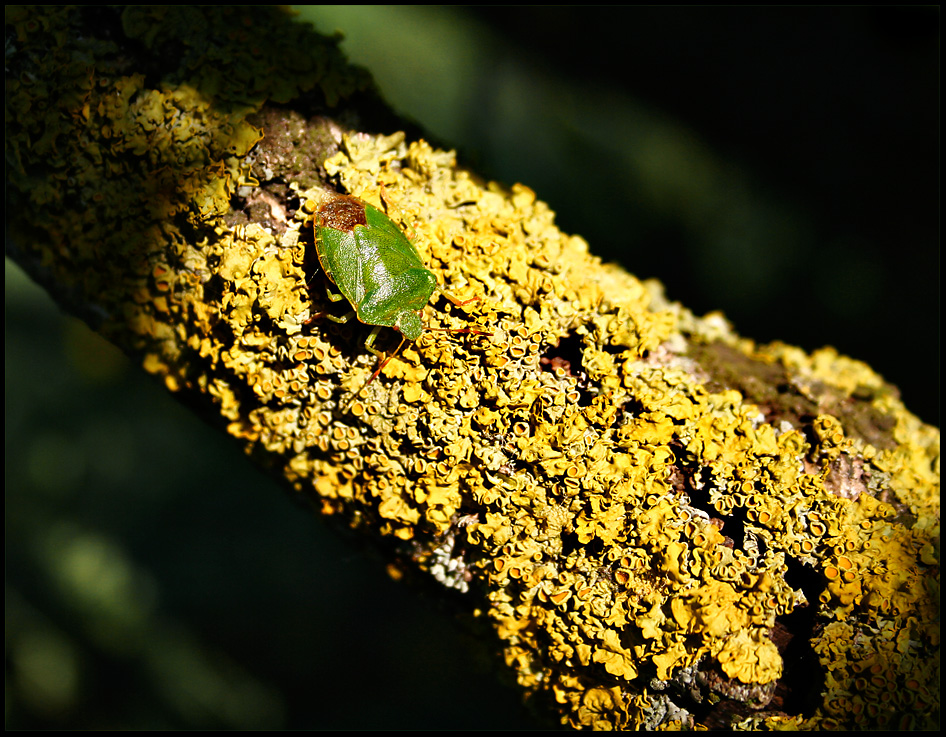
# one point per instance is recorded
(723, 601)
(636, 499)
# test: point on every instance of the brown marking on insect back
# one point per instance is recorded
(342, 213)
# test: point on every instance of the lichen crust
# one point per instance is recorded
(665, 524)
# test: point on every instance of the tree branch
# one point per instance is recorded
(661, 522)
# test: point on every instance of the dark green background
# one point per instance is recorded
(778, 164)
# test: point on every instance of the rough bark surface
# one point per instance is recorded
(662, 522)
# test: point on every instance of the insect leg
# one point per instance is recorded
(382, 362)
(343, 319)
(369, 343)
(334, 296)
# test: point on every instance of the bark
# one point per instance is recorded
(657, 521)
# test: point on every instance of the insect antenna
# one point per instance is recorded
(473, 331)
(459, 303)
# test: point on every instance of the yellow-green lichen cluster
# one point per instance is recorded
(653, 515)
(120, 168)
(630, 522)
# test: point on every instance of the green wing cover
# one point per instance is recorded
(376, 268)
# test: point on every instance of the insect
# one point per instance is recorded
(377, 269)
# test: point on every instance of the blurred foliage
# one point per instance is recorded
(778, 164)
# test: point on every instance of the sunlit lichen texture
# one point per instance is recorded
(664, 524)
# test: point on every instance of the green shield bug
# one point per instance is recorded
(376, 268)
